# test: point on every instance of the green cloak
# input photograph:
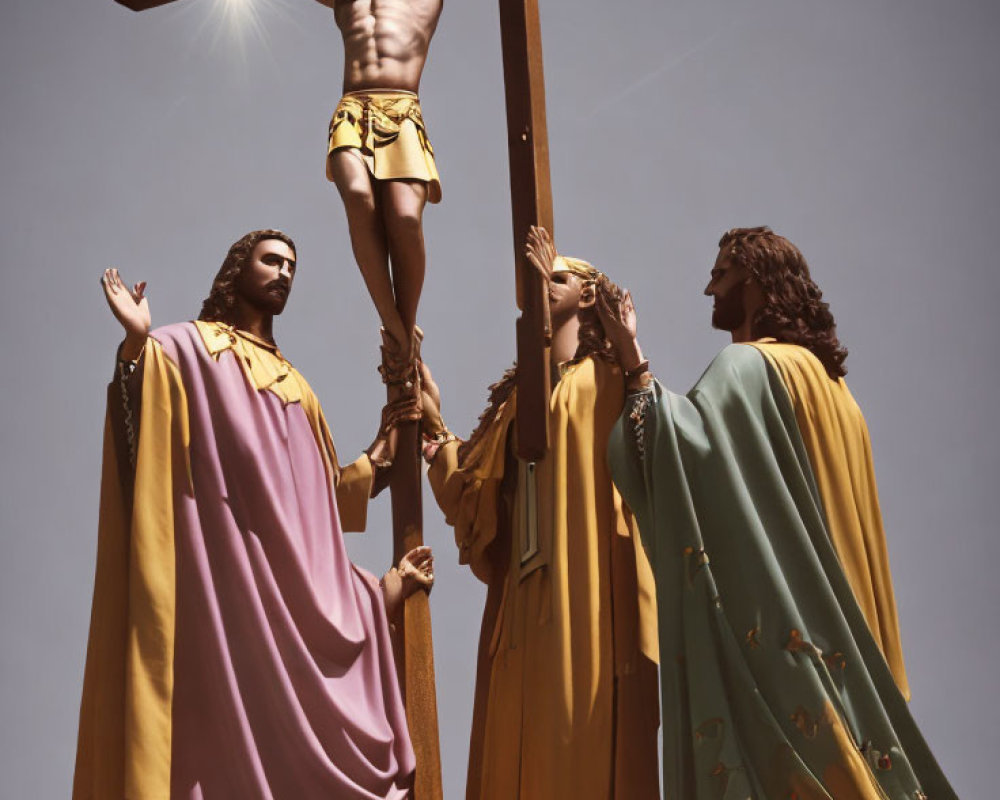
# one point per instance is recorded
(773, 686)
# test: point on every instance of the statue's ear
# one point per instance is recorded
(588, 295)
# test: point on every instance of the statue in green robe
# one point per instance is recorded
(781, 671)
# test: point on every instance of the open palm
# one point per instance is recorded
(130, 306)
(541, 252)
(619, 320)
(416, 569)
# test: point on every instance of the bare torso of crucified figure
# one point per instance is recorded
(382, 164)
(385, 41)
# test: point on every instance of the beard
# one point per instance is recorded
(729, 314)
(264, 299)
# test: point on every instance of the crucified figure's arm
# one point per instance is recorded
(142, 5)
(379, 155)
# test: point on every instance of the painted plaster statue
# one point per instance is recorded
(381, 160)
(781, 669)
(382, 163)
(235, 651)
(566, 695)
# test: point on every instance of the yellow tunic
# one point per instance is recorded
(386, 128)
(836, 440)
(566, 696)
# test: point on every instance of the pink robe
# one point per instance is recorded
(281, 682)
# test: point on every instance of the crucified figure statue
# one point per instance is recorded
(382, 163)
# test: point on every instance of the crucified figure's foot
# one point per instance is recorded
(400, 371)
(400, 368)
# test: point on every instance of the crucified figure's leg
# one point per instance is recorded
(402, 205)
(368, 237)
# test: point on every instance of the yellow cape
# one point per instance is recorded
(836, 440)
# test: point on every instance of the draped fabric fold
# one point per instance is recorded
(225, 578)
(125, 716)
(835, 437)
(565, 701)
(772, 683)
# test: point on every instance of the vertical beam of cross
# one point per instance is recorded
(413, 644)
(531, 204)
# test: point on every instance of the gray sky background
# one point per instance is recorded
(867, 132)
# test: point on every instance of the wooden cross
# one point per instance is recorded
(414, 650)
(531, 204)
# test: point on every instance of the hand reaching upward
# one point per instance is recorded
(131, 309)
(541, 252)
(618, 317)
(621, 326)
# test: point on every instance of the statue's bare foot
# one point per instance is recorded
(400, 370)
(415, 571)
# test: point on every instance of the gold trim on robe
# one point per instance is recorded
(268, 370)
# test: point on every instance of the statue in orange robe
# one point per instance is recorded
(566, 690)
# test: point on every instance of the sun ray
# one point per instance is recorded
(237, 28)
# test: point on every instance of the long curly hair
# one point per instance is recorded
(592, 341)
(794, 311)
(221, 300)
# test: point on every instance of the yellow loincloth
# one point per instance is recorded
(387, 130)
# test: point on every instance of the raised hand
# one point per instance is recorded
(617, 316)
(131, 309)
(620, 326)
(541, 252)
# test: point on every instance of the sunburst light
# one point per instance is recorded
(239, 25)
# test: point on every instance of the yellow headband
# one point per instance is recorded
(577, 266)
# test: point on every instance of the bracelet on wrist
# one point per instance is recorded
(638, 369)
(639, 383)
(443, 436)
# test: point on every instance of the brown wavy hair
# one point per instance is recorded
(221, 300)
(592, 341)
(794, 311)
